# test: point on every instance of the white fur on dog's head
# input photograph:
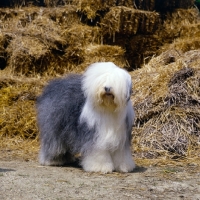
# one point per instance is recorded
(107, 86)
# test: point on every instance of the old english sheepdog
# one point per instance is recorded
(90, 115)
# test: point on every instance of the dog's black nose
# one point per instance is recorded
(107, 89)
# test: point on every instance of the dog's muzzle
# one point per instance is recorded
(108, 92)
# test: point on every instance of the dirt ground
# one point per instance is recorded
(28, 180)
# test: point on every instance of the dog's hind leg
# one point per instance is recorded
(55, 160)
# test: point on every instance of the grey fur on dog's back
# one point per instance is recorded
(59, 109)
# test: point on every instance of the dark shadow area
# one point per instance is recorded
(3, 63)
(6, 170)
(139, 169)
(75, 164)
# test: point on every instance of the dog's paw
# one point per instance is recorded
(99, 167)
(127, 166)
(98, 162)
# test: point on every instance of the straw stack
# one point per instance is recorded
(167, 102)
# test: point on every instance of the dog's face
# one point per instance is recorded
(107, 98)
(107, 86)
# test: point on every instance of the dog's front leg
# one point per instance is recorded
(122, 159)
(97, 161)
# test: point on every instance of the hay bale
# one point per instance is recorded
(64, 37)
(175, 23)
(45, 30)
(37, 38)
(142, 49)
(190, 30)
(103, 53)
(184, 44)
(188, 39)
(91, 8)
(30, 56)
(17, 111)
(66, 16)
(17, 21)
(26, 55)
(14, 20)
(34, 43)
(54, 3)
(139, 49)
(84, 48)
(167, 102)
(140, 43)
(181, 17)
(80, 35)
(18, 129)
(130, 21)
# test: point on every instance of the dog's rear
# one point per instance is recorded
(58, 110)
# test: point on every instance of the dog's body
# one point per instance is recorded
(90, 114)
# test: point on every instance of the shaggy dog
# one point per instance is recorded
(89, 114)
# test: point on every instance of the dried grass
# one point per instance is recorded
(91, 8)
(129, 21)
(18, 130)
(53, 40)
(142, 34)
(103, 53)
(25, 52)
(176, 22)
(36, 42)
(48, 42)
(53, 3)
(77, 38)
(167, 101)
(17, 114)
(12, 148)
(65, 16)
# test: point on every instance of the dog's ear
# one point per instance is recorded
(128, 99)
(130, 91)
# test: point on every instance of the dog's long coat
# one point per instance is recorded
(89, 114)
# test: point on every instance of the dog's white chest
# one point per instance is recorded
(111, 137)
